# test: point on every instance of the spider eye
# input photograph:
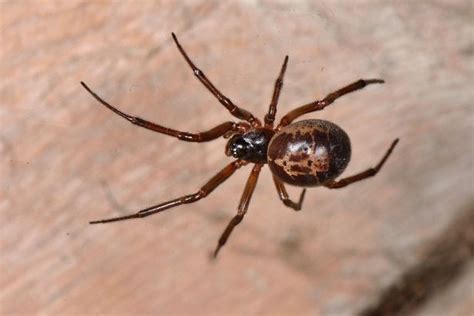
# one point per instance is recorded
(237, 147)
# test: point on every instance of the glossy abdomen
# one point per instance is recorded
(309, 153)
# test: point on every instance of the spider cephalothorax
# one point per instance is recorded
(251, 146)
(306, 153)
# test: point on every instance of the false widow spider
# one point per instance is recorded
(306, 153)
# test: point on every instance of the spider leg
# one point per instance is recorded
(284, 195)
(211, 134)
(225, 101)
(364, 174)
(243, 206)
(213, 183)
(330, 98)
(270, 117)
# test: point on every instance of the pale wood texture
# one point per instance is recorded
(66, 160)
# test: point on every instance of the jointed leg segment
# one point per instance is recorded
(225, 101)
(283, 194)
(364, 174)
(330, 98)
(270, 117)
(211, 134)
(213, 183)
(243, 206)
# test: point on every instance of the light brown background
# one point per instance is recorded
(66, 160)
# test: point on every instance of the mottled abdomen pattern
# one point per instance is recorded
(309, 153)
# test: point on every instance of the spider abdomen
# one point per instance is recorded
(309, 153)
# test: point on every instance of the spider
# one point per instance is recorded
(306, 153)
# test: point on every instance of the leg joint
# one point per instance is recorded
(291, 204)
(199, 195)
(188, 137)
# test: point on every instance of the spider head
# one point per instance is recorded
(250, 146)
(238, 147)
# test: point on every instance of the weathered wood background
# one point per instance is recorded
(66, 160)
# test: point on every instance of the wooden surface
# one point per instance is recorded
(65, 160)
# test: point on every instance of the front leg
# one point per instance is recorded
(216, 132)
(225, 101)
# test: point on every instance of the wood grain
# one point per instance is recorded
(66, 160)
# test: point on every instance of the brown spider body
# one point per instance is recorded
(306, 153)
(309, 153)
